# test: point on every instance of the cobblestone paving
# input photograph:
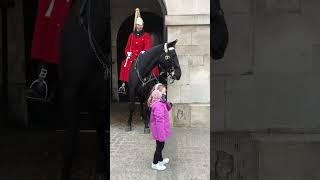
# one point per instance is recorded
(131, 152)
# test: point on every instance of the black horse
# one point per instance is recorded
(219, 32)
(142, 79)
(84, 75)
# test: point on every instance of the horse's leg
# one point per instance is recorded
(100, 119)
(146, 119)
(142, 115)
(131, 108)
(99, 95)
(70, 111)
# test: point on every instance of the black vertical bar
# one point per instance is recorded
(5, 64)
(109, 87)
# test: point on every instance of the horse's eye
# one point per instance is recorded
(167, 57)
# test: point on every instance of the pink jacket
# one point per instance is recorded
(160, 121)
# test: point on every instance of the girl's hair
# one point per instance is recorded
(158, 87)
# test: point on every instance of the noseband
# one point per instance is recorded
(170, 71)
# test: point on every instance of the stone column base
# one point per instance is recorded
(190, 115)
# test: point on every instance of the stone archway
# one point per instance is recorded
(163, 7)
(122, 14)
(153, 24)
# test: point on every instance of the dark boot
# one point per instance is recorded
(122, 89)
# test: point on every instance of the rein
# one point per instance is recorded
(152, 76)
(100, 55)
(140, 78)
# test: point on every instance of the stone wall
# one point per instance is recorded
(292, 157)
(188, 21)
(279, 42)
(266, 156)
(187, 7)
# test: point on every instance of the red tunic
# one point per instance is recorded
(135, 45)
(49, 23)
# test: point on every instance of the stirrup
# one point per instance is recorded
(38, 89)
(122, 89)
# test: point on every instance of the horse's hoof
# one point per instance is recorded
(129, 128)
(146, 130)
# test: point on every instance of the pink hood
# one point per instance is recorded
(156, 96)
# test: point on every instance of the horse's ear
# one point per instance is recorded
(173, 43)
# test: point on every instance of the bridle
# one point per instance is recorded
(170, 71)
(100, 55)
(144, 81)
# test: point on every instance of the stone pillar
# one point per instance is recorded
(191, 94)
(16, 66)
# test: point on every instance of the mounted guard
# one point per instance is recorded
(138, 42)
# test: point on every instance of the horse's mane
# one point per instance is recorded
(151, 52)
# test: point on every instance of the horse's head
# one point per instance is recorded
(169, 60)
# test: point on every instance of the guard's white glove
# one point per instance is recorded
(143, 52)
(129, 53)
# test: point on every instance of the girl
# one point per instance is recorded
(159, 123)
